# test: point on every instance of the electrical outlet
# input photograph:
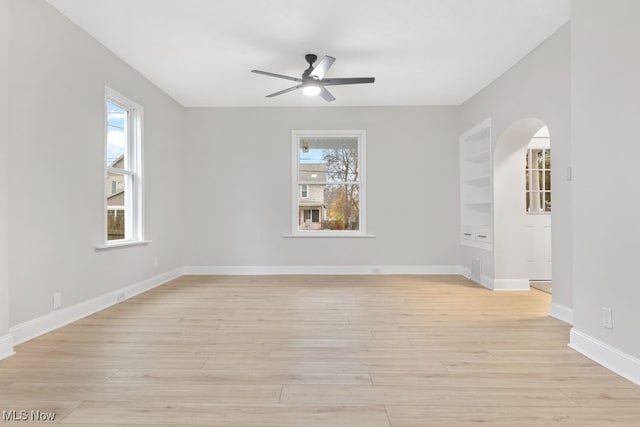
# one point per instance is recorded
(155, 261)
(121, 296)
(57, 300)
(607, 318)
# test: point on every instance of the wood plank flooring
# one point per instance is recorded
(317, 350)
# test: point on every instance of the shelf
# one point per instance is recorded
(477, 134)
(478, 180)
(480, 203)
(480, 156)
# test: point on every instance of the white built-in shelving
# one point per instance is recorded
(476, 207)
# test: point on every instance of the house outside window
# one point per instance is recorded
(123, 169)
(328, 183)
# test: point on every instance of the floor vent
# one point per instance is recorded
(475, 271)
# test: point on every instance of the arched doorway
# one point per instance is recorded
(522, 204)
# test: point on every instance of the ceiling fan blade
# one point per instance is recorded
(323, 66)
(283, 91)
(280, 76)
(348, 81)
(326, 95)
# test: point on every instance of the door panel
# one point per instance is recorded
(539, 244)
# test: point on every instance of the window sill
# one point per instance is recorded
(331, 235)
(121, 244)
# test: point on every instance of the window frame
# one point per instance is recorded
(296, 136)
(306, 190)
(541, 144)
(132, 170)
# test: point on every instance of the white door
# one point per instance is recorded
(538, 208)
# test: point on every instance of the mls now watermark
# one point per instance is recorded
(28, 415)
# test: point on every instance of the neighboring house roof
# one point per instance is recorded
(118, 163)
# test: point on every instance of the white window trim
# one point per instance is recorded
(296, 135)
(135, 168)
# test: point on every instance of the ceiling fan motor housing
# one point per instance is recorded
(310, 58)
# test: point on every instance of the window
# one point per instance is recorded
(538, 173)
(123, 169)
(328, 183)
(311, 215)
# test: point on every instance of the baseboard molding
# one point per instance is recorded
(610, 357)
(6, 346)
(561, 312)
(510, 284)
(322, 269)
(56, 319)
(485, 281)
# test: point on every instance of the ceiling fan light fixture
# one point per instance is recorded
(311, 89)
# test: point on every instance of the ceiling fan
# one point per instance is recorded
(313, 82)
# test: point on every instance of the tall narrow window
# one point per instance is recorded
(538, 173)
(123, 169)
(328, 182)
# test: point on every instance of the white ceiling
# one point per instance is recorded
(422, 52)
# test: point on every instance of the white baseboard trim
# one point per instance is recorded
(610, 357)
(485, 281)
(321, 269)
(56, 319)
(510, 284)
(561, 312)
(6, 346)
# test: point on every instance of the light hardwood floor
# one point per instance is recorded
(318, 350)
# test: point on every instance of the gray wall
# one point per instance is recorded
(605, 105)
(4, 173)
(56, 177)
(537, 87)
(238, 187)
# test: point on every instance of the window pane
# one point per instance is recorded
(330, 207)
(539, 158)
(116, 136)
(343, 206)
(547, 180)
(116, 202)
(328, 159)
(540, 176)
(540, 197)
(304, 191)
(547, 159)
(547, 201)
